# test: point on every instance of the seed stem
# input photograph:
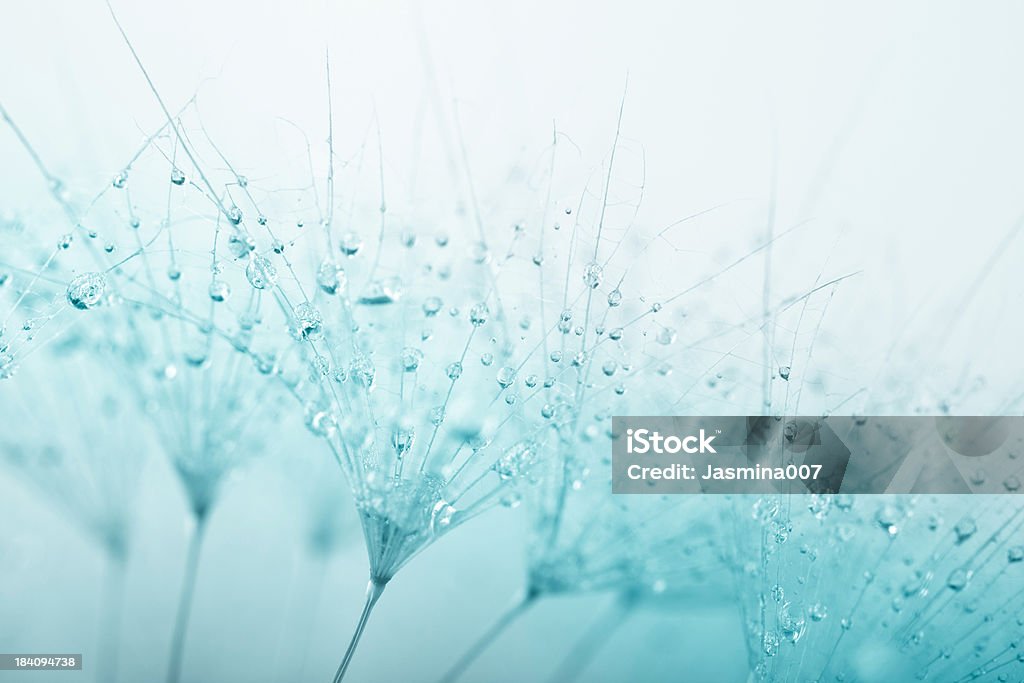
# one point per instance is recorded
(590, 644)
(519, 606)
(374, 589)
(110, 624)
(188, 589)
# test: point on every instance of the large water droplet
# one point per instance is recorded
(308, 321)
(86, 290)
(261, 273)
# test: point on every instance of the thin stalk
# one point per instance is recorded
(188, 590)
(110, 620)
(519, 606)
(595, 637)
(374, 589)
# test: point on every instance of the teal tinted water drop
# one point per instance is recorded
(593, 274)
(235, 215)
(331, 277)
(86, 290)
(120, 180)
(614, 298)
(486, 359)
(350, 244)
(7, 366)
(478, 314)
(431, 305)
(240, 244)
(506, 377)
(177, 177)
(411, 358)
(219, 290)
(261, 273)
(308, 321)
(454, 371)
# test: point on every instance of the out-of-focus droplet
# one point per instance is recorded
(350, 244)
(219, 290)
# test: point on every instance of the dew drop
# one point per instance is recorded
(261, 273)
(478, 314)
(331, 277)
(86, 290)
(219, 290)
(454, 371)
(177, 177)
(308, 321)
(506, 377)
(593, 274)
(431, 305)
(411, 358)
(350, 244)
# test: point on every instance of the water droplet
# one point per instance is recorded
(240, 245)
(431, 305)
(614, 298)
(350, 244)
(655, 307)
(363, 371)
(616, 334)
(235, 215)
(1015, 554)
(1011, 483)
(219, 290)
(331, 277)
(454, 371)
(506, 377)
(308, 321)
(515, 461)
(478, 314)
(531, 381)
(120, 180)
(86, 290)
(964, 529)
(381, 292)
(177, 177)
(817, 612)
(479, 253)
(666, 336)
(778, 593)
(784, 372)
(547, 411)
(593, 273)
(411, 358)
(556, 356)
(261, 273)
(173, 273)
(958, 579)
(486, 359)
(609, 368)
(402, 439)
(65, 241)
(7, 366)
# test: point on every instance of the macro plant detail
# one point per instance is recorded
(295, 296)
